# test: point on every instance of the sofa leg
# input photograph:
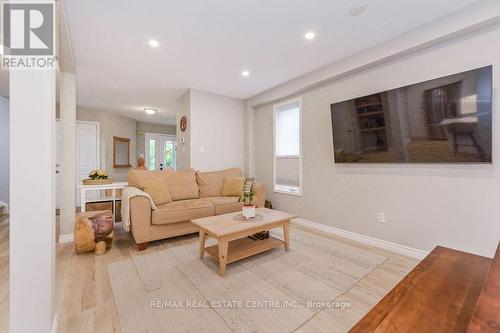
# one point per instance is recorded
(142, 246)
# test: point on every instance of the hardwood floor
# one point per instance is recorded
(84, 300)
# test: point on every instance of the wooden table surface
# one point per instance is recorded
(486, 317)
(438, 295)
(223, 225)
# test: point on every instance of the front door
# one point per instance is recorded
(161, 151)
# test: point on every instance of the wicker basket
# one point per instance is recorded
(97, 181)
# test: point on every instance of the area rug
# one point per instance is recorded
(174, 291)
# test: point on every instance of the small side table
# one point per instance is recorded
(113, 198)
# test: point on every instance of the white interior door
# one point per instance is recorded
(87, 154)
(161, 151)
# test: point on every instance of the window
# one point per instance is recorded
(287, 148)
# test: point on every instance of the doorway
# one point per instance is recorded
(160, 151)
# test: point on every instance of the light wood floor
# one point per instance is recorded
(84, 300)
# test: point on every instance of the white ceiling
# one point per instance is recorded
(206, 44)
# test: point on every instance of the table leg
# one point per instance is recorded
(286, 233)
(223, 246)
(202, 242)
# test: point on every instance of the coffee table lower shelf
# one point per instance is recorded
(245, 247)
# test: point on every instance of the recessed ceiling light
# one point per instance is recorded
(245, 73)
(357, 10)
(153, 43)
(310, 35)
(150, 111)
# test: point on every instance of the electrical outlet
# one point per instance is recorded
(381, 217)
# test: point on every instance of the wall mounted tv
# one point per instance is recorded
(438, 121)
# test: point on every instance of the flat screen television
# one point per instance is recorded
(445, 120)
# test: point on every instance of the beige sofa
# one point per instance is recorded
(195, 194)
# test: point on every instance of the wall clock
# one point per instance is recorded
(183, 123)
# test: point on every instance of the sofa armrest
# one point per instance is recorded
(259, 190)
(140, 219)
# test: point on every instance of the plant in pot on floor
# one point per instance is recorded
(248, 210)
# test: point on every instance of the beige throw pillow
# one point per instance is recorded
(157, 189)
(233, 186)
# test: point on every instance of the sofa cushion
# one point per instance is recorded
(182, 184)
(157, 189)
(136, 176)
(224, 205)
(233, 186)
(182, 210)
(210, 183)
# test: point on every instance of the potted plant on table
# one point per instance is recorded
(248, 209)
(97, 177)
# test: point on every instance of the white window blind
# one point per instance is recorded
(287, 130)
(287, 141)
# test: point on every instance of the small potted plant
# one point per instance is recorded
(97, 177)
(98, 174)
(248, 209)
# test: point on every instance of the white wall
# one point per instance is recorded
(217, 131)
(67, 177)
(32, 200)
(451, 205)
(4, 150)
(183, 105)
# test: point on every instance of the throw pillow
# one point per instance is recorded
(233, 186)
(157, 189)
(248, 185)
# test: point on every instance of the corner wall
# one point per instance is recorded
(4, 149)
(216, 134)
(183, 105)
(217, 131)
(457, 205)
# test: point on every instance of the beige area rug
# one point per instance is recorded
(277, 291)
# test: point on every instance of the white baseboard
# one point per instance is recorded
(393, 247)
(66, 238)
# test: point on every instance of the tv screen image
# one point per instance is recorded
(444, 120)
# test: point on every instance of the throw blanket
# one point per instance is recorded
(127, 194)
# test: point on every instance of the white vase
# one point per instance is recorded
(248, 211)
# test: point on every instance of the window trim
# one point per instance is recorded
(276, 107)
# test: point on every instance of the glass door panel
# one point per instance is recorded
(160, 151)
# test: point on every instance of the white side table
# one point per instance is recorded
(113, 187)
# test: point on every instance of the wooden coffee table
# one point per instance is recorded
(231, 234)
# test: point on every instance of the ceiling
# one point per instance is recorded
(206, 44)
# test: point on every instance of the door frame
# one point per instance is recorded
(98, 148)
(151, 135)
